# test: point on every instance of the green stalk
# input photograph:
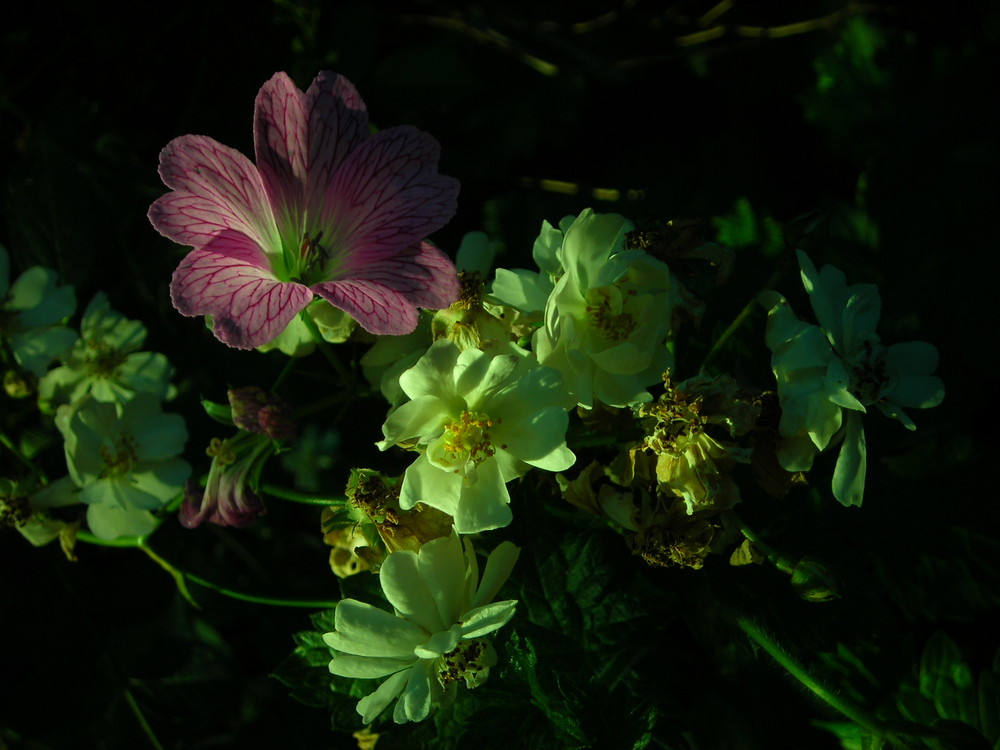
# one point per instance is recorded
(855, 713)
(182, 576)
(327, 351)
(300, 497)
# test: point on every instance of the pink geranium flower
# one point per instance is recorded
(328, 210)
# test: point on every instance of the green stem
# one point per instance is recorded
(324, 346)
(138, 542)
(254, 599)
(137, 712)
(289, 365)
(300, 497)
(738, 321)
(855, 713)
(780, 561)
(10, 445)
(121, 542)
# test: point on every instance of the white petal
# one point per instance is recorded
(416, 698)
(439, 643)
(442, 564)
(482, 620)
(364, 630)
(498, 567)
(111, 522)
(849, 475)
(408, 592)
(372, 705)
(367, 667)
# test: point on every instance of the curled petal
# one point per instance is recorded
(230, 279)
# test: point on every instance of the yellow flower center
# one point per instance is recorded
(604, 306)
(468, 437)
(119, 459)
(464, 662)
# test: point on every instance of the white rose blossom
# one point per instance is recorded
(608, 315)
(479, 420)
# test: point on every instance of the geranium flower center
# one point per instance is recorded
(314, 261)
(118, 460)
(464, 662)
(468, 437)
(607, 316)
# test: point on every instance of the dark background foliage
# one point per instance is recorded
(877, 130)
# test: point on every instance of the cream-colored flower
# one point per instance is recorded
(436, 635)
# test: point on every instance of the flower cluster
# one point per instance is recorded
(324, 239)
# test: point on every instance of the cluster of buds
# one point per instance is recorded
(372, 525)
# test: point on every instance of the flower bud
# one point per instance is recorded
(813, 581)
(257, 411)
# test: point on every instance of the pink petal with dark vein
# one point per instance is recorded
(379, 309)
(280, 141)
(338, 123)
(231, 280)
(424, 275)
(387, 195)
(215, 188)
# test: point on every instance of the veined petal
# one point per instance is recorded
(498, 567)
(849, 474)
(280, 136)
(421, 273)
(338, 123)
(388, 195)
(408, 592)
(216, 188)
(231, 280)
(364, 630)
(379, 309)
(372, 705)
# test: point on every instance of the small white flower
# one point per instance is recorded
(104, 363)
(841, 364)
(124, 462)
(30, 310)
(479, 420)
(435, 637)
